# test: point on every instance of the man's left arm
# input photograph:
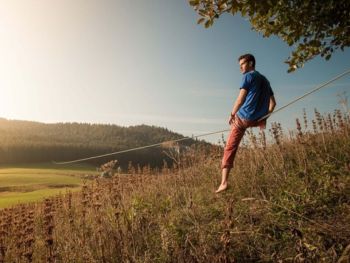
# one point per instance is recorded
(272, 103)
(272, 100)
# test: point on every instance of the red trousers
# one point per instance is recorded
(238, 128)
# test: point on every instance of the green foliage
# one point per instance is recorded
(312, 27)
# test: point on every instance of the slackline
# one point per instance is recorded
(210, 133)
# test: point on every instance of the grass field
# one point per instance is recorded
(28, 183)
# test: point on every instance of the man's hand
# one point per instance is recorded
(231, 119)
(239, 102)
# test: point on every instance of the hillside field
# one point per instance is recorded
(288, 201)
(25, 183)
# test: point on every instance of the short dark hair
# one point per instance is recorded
(248, 57)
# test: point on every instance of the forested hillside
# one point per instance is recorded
(27, 142)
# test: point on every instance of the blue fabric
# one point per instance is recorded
(256, 104)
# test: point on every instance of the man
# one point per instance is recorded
(255, 100)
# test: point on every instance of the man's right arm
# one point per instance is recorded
(239, 102)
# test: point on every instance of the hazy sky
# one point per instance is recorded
(142, 62)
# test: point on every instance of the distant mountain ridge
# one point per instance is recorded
(29, 141)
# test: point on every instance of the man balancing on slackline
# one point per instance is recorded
(255, 100)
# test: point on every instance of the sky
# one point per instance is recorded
(144, 62)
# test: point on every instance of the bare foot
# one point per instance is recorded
(221, 188)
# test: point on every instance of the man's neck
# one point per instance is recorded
(251, 70)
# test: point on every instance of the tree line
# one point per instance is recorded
(32, 142)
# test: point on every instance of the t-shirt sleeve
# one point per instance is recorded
(246, 81)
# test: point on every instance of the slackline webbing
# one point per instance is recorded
(210, 133)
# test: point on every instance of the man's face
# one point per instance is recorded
(244, 66)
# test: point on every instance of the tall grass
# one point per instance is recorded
(289, 201)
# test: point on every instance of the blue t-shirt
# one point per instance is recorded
(256, 104)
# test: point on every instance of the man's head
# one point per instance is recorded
(246, 63)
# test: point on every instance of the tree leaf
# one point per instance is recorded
(201, 20)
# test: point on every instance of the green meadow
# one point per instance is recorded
(32, 182)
